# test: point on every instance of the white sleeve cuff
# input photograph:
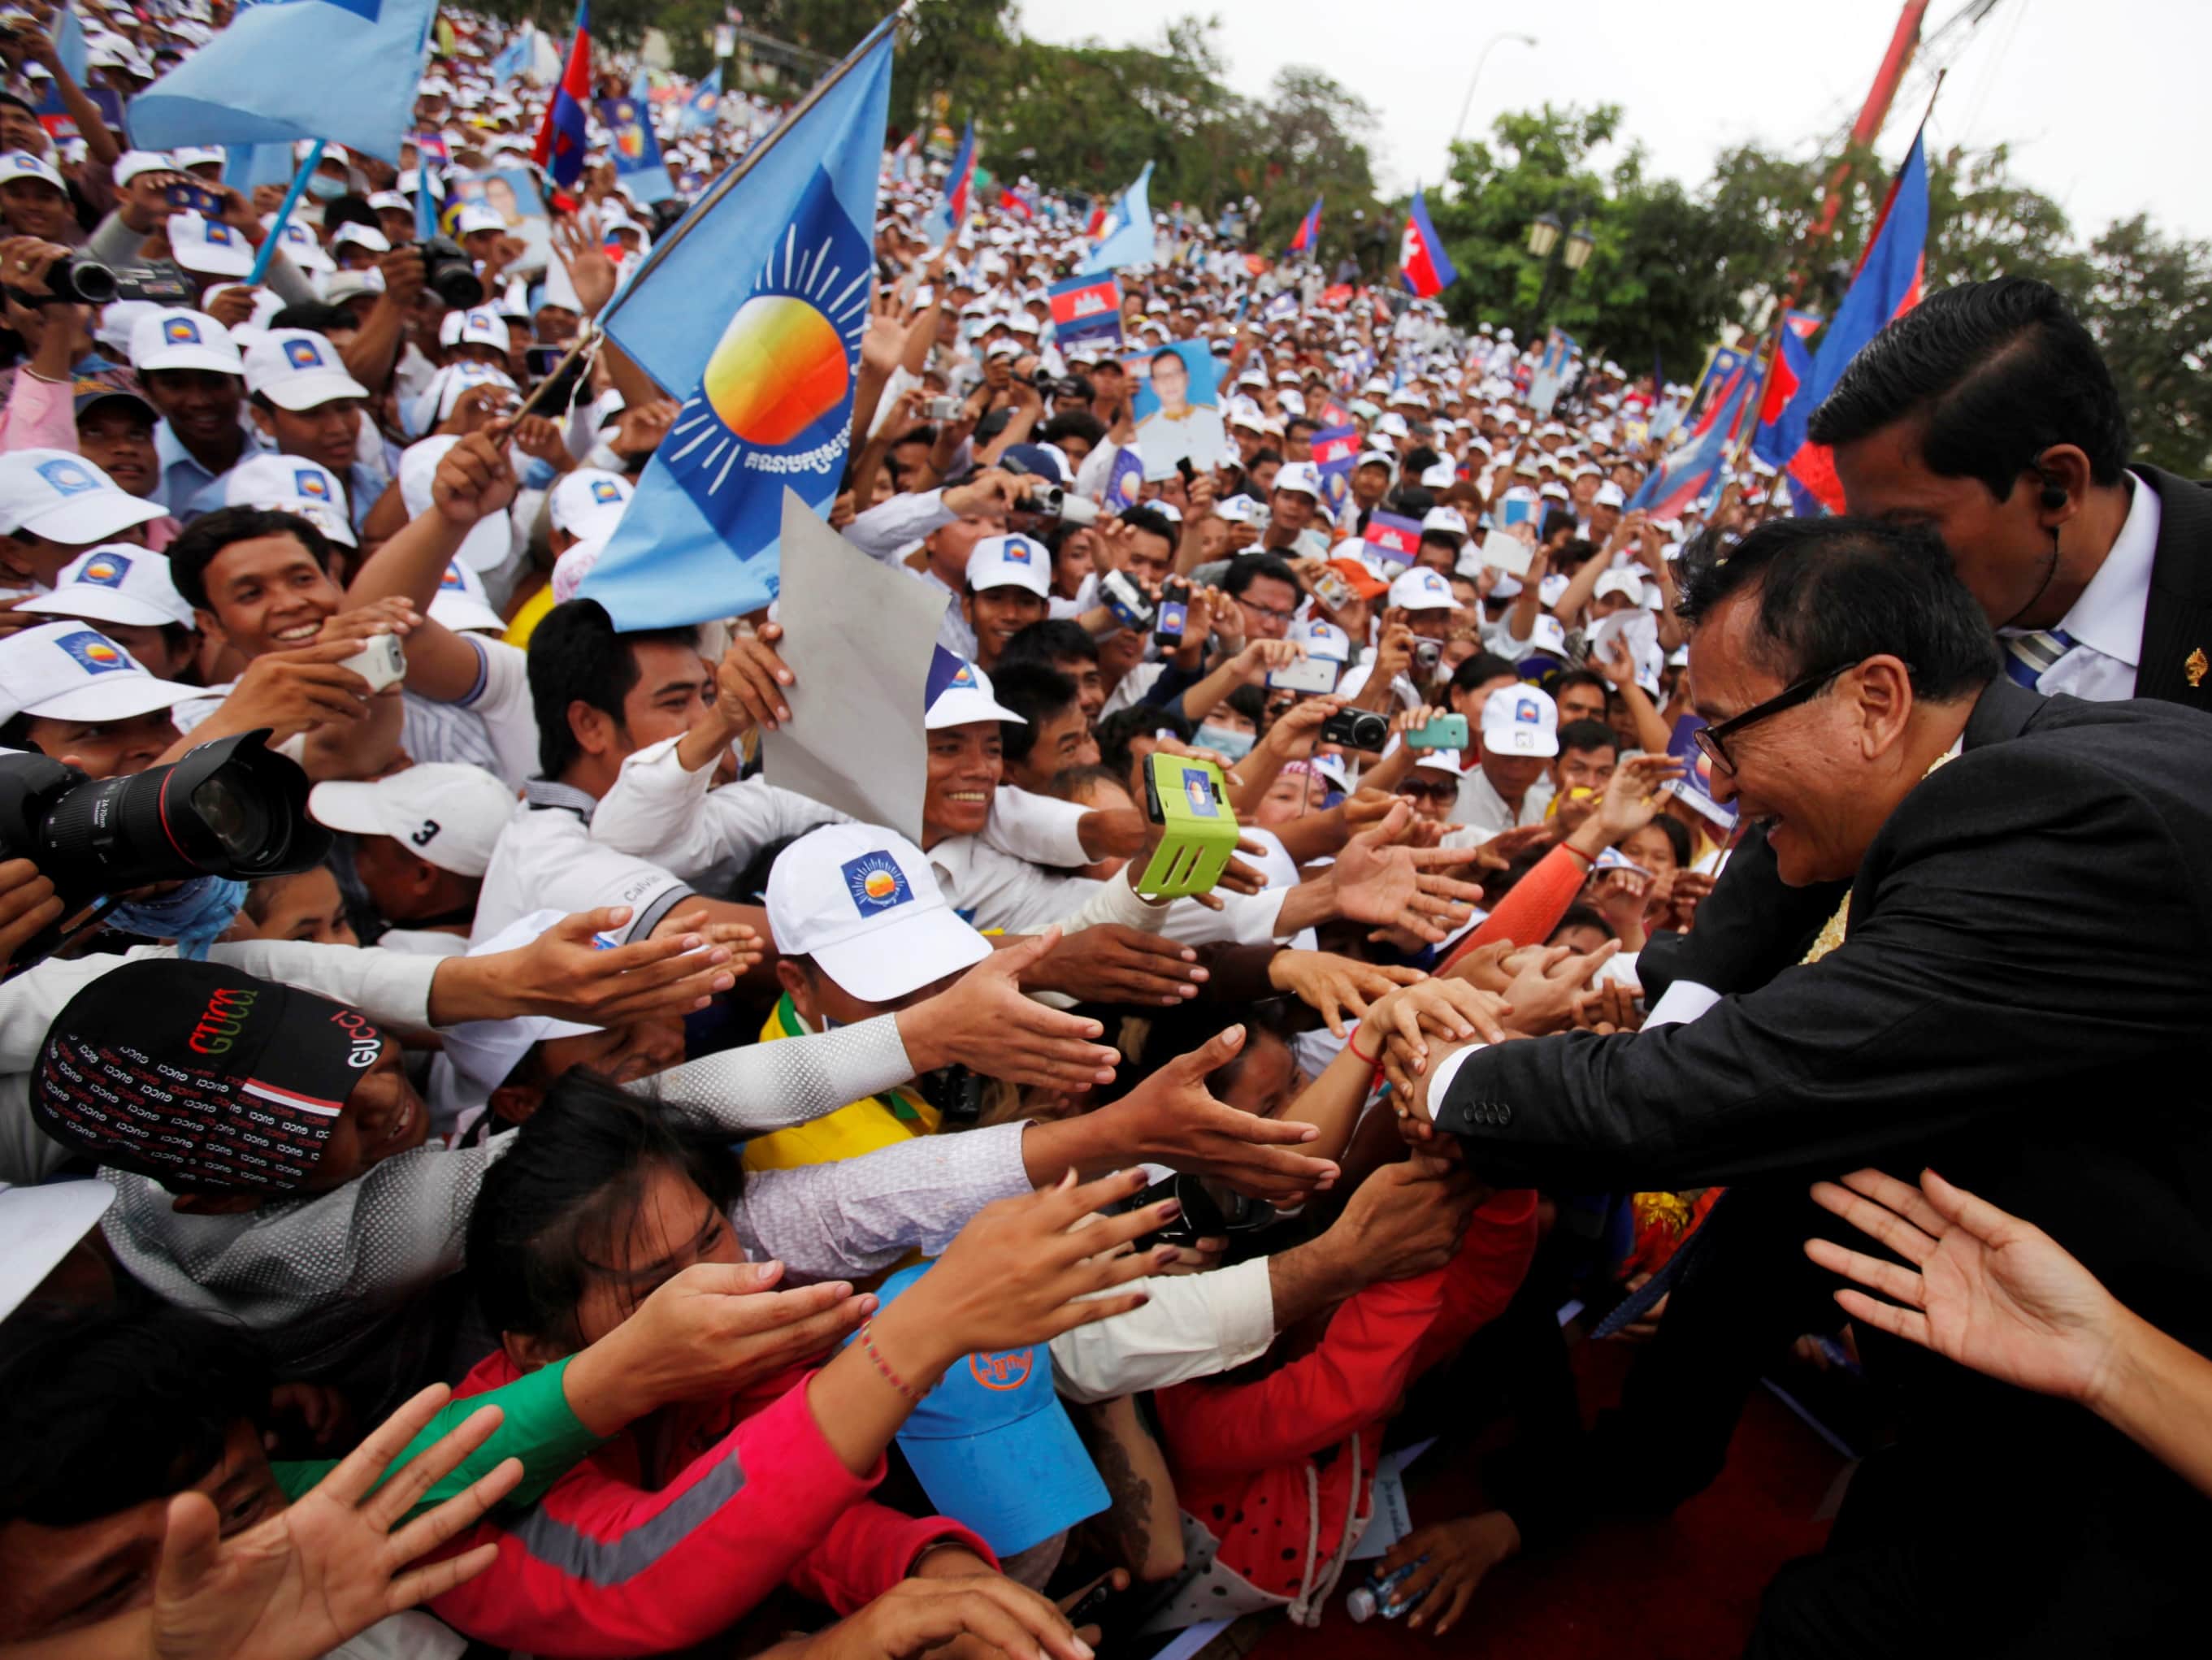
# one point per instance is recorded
(1685, 1000)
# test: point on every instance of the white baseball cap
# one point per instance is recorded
(293, 484)
(570, 569)
(1520, 719)
(475, 217)
(965, 699)
(300, 245)
(1419, 588)
(67, 672)
(483, 1052)
(1393, 425)
(1451, 520)
(1375, 459)
(62, 498)
(462, 603)
(1441, 476)
(1621, 581)
(447, 813)
(1320, 639)
(131, 163)
(445, 388)
(1608, 496)
(489, 540)
(298, 369)
(589, 500)
(863, 902)
(361, 236)
(120, 584)
(479, 326)
(1440, 760)
(22, 164)
(173, 338)
(209, 246)
(1300, 476)
(40, 1226)
(1004, 561)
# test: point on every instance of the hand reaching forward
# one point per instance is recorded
(1991, 1291)
(307, 1580)
(1393, 887)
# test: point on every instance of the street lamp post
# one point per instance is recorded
(1560, 249)
(1481, 58)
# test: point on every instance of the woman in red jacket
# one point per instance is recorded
(673, 1530)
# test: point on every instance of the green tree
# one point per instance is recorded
(2148, 301)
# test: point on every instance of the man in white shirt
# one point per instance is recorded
(946, 525)
(1520, 735)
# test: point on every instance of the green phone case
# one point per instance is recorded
(1187, 797)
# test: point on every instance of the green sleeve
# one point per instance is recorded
(537, 1427)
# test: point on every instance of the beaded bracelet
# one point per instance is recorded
(868, 1342)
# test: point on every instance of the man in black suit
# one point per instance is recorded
(2020, 1000)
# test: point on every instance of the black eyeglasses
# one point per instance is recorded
(1713, 740)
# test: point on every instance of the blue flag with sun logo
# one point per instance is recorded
(770, 381)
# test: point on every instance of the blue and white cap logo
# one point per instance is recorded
(67, 477)
(605, 490)
(303, 355)
(106, 570)
(93, 653)
(180, 331)
(1525, 713)
(312, 482)
(876, 883)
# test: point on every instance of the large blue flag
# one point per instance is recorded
(514, 57)
(346, 70)
(69, 46)
(770, 402)
(1126, 237)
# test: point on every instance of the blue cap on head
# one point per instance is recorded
(994, 1448)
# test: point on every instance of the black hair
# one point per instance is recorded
(1072, 424)
(550, 1214)
(1176, 1032)
(1587, 735)
(313, 314)
(1997, 373)
(350, 209)
(206, 537)
(1117, 731)
(1037, 692)
(577, 657)
(1266, 453)
(1170, 351)
(1834, 592)
(1581, 916)
(1247, 569)
(1678, 837)
(1251, 702)
(1450, 541)
(1483, 665)
(1291, 427)
(1583, 677)
(1054, 641)
(1150, 519)
(104, 1409)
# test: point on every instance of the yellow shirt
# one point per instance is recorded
(881, 1120)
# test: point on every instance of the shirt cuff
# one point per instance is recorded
(1447, 1070)
(1684, 1002)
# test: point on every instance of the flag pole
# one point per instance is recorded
(699, 210)
(268, 250)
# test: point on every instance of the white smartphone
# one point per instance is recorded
(1508, 553)
(1315, 674)
(380, 662)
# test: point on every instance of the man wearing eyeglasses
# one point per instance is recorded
(2014, 991)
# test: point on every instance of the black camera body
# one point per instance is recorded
(1356, 729)
(449, 273)
(229, 808)
(84, 280)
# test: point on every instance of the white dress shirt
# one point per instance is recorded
(2106, 623)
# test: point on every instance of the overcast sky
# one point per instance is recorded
(2103, 105)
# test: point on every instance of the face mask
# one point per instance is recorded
(1222, 740)
(195, 916)
(324, 188)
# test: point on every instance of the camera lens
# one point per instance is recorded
(83, 279)
(238, 825)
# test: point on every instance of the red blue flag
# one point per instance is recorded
(951, 213)
(1308, 230)
(563, 136)
(1691, 473)
(1423, 265)
(1886, 285)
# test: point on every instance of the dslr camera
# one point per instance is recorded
(229, 808)
(449, 273)
(84, 280)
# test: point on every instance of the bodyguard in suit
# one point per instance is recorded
(2021, 998)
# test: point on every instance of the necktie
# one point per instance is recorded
(2028, 656)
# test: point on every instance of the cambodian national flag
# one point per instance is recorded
(1886, 285)
(1308, 230)
(1423, 265)
(758, 315)
(564, 135)
(1782, 413)
(1691, 473)
(949, 216)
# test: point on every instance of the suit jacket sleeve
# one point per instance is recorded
(1754, 925)
(2023, 920)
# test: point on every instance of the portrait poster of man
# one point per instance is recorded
(1177, 410)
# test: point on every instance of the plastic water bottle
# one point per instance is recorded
(1363, 1602)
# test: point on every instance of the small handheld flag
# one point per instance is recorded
(1423, 265)
(1308, 230)
(1085, 311)
(949, 216)
(562, 136)
(1126, 237)
(638, 160)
